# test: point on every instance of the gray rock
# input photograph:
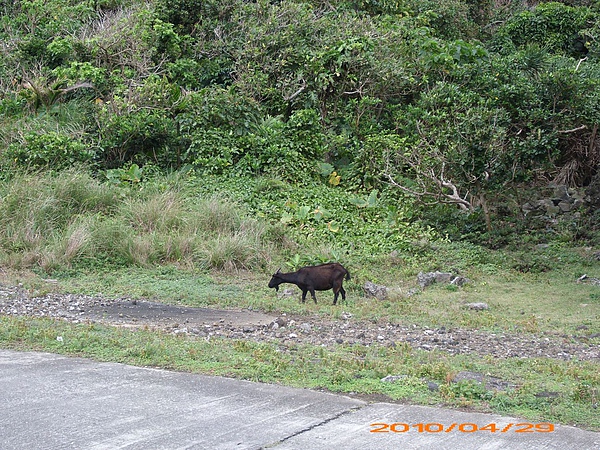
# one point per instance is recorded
(434, 387)
(459, 281)
(550, 395)
(443, 277)
(547, 204)
(281, 321)
(374, 290)
(529, 207)
(306, 327)
(589, 280)
(393, 378)
(288, 292)
(479, 306)
(561, 192)
(427, 279)
(490, 383)
(565, 206)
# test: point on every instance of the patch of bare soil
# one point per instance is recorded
(286, 330)
(136, 312)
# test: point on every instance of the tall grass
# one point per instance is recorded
(57, 221)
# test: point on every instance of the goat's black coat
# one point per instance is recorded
(314, 278)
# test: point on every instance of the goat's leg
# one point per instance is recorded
(312, 292)
(337, 288)
(304, 291)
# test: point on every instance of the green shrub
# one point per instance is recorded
(229, 133)
(141, 136)
(556, 25)
(50, 150)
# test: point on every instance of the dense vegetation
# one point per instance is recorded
(447, 102)
(146, 147)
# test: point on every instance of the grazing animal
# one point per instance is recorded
(314, 278)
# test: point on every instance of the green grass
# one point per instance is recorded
(539, 303)
(55, 222)
(532, 303)
(344, 369)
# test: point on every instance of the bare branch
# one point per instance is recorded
(579, 63)
(582, 127)
(358, 91)
(81, 85)
(297, 93)
(454, 198)
(408, 190)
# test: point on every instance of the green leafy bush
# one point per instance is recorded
(226, 133)
(556, 25)
(141, 136)
(50, 150)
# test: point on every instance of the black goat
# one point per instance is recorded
(314, 278)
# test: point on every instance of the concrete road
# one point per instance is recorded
(54, 402)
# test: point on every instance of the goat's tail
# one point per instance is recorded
(347, 275)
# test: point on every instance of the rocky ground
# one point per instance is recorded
(287, 329)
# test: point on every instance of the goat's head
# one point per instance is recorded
(276, 280)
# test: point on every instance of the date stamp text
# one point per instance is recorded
(466, 427)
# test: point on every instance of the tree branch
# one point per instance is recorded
(297, 93)
(582, 127)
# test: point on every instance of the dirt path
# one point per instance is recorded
(286, 330)
(135, 312)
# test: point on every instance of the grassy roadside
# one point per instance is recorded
(345, 369)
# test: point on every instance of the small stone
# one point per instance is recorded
(393, 378)
(547, 394)
(374, 290)
(427, 279)
(306, 327)
(459, 281)
(434, 387)
(565, 206)
(480, 306)
(287, 293)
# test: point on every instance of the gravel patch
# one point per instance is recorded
(287, 330)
